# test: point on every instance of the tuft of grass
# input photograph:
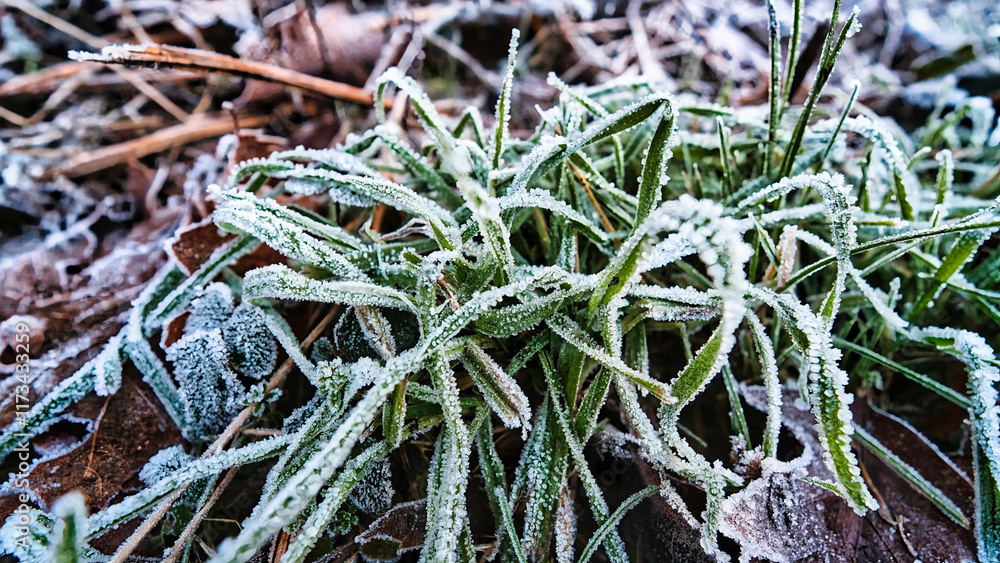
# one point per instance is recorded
(544, 269)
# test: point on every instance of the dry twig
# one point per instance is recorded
(196, 129)
(159, 56)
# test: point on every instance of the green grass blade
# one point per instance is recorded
(500, 390)
(765, 354)
(264, 221)
(507, 321)
(652, 180)
(333, 497)
(728, 182)
(961, 252)
(911, 475)
(574, 335)
(925, 381)
(987, 506)
(793, 52)
(831, 51)
(840, 125)
(736, 407)
(612, 520)
(542, 199)
(545, 463)
(910, 236)
(67, 543)
(503, 103)
(496, 489)
(612, 542)
(774, 85)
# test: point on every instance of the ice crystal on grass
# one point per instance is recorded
(163, 463)
(108, 368)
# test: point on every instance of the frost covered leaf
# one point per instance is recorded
(180, 297)
(576, 337)
(565, 527)
(655, 164)
(765, 354)
(612, 520)
(378, 189)
(252, 348)
(108, 367)
(961, 252)
(609, 535)
(827, 396)
(446, 483)
(496, 491)
(46, 411)
(163, 463)
(426, 113)
(549, 151)
(333, 497)
(209, 389)
(543, 200)
(507, 321)
(398, 531)
(943, 390)
(293, 496)
(212, 309)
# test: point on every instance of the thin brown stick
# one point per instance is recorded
(130, 21)
(146, 527)
(61, 94)
(605, 222)
(165, 56)
(153, 94)
(58, 23)
(195, 129)
(14, 118)
(96, 42)
(47, 80)
(192, 526)
(647, 62)
(280, 546)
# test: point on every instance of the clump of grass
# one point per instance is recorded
(547, 263)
